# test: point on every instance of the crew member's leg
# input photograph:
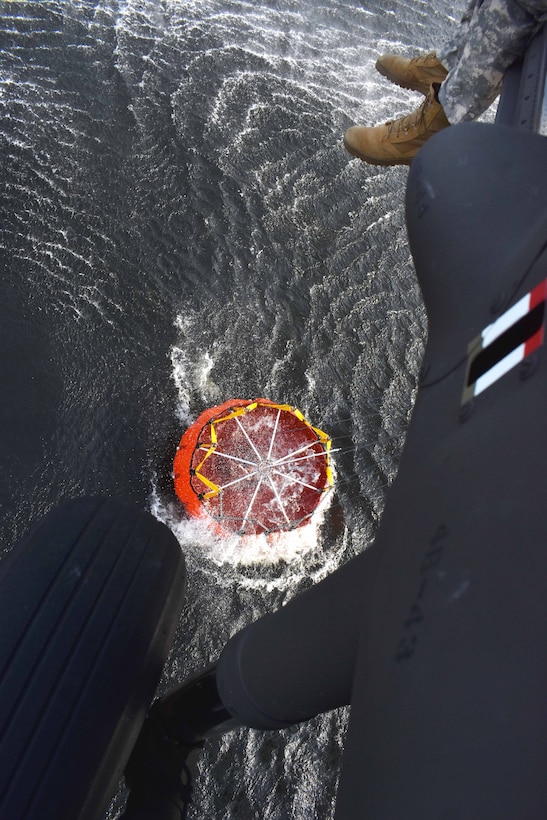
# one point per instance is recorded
(496, 35)
(450, 52)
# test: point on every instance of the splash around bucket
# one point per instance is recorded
(252, 466)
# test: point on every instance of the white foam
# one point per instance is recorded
(191, 372)
(199, 535)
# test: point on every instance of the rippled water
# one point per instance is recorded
(181, 225)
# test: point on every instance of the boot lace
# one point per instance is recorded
(424, 59)
(412, 120)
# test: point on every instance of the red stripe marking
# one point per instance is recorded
(539, 294)
(533, 342)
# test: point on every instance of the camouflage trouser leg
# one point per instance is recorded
(493, 34)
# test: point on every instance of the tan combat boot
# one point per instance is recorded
(416, 74)
(398, 142)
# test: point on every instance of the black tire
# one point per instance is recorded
(90, 601)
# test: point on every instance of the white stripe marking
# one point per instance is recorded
(520, 309)
(499, 370)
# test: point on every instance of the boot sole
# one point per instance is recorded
(374, 160)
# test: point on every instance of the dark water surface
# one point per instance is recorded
(180, 224)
